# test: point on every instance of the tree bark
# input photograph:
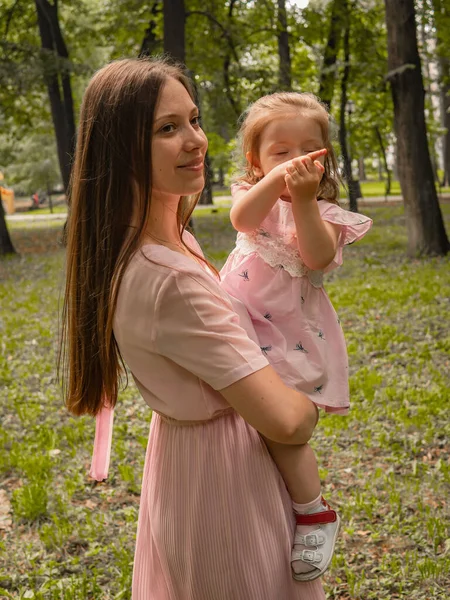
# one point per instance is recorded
(387, 190)
(425, 42)
(445, 116)
(174, 29)
(441, 24)
(329, 68)
(353, 186)
(151, 42)
(57, 78)
(6, 245)
(426, 232)
(284, 77)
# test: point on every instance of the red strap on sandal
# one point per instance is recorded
(325, 516)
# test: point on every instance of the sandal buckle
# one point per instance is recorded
(311, 556)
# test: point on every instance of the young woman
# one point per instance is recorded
(215, 519)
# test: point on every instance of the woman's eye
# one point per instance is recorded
(168, 128)
(196, 121)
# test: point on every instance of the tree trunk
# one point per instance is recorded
(441, 24)
(284, 77)
(353, 186)
(231, 51)
(207, 196)
(385, 162)
(329, 68)
(221, 181)
(151, 42)
(58, 83)
(445, 112)
(174, 29)
(425, 42)
(361, 169)
(6, 245)
(426, 232)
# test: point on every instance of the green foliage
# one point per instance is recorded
(33, 164)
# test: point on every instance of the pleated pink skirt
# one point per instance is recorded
(215, 519)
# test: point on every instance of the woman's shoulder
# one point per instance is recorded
(166, 274)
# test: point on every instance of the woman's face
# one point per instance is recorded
(178, 145)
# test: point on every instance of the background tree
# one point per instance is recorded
(284, 53)
(338, 18)
(426, 232)
(57, 75)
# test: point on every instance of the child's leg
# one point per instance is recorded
(315, 535)
(298, 467)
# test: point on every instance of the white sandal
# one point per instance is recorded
(317, 547)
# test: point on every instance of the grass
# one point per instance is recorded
(368, 189)
(386, 466)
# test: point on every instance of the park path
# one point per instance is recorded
(219, 202)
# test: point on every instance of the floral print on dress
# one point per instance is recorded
(296, 325)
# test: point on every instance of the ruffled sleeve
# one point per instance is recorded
(354, 227)
(239, 187)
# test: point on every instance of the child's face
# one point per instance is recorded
(285, 138)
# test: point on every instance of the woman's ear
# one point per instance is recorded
(255, 164)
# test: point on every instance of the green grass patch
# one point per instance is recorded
(385, 466)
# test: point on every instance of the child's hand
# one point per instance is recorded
(304, 175)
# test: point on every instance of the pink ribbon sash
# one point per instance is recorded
(102, 444)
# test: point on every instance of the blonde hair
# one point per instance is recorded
(257, 116)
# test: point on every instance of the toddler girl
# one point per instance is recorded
(291, 231)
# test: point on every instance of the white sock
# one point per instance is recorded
(314, 506)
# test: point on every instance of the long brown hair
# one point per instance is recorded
(258, 115)
(110, 188)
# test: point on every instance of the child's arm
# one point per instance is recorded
(317, 239)
(251, 207)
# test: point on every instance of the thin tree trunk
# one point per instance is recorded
(445, 116)
(385, 162)
(426, 232)
(329, 66)
(58, 84)
(284, 77)
(441, 24)
(6, 245)
(174, 29)
(348, 175)
(151, 42)
(361, 169)
(425, 41)
(231, 51)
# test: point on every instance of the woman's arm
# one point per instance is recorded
(275, 410)
(317, 240)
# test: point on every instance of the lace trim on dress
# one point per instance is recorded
(278, 254)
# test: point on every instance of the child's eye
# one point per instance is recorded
(280, 153)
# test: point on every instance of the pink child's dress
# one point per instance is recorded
(298, 329)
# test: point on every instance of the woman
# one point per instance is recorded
(215, 519)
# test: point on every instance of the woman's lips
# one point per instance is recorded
(193, 165)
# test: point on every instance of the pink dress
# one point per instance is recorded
(215, 520)
(297, 327)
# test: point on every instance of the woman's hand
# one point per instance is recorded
(303, 176)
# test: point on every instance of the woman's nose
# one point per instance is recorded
(196, 139)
